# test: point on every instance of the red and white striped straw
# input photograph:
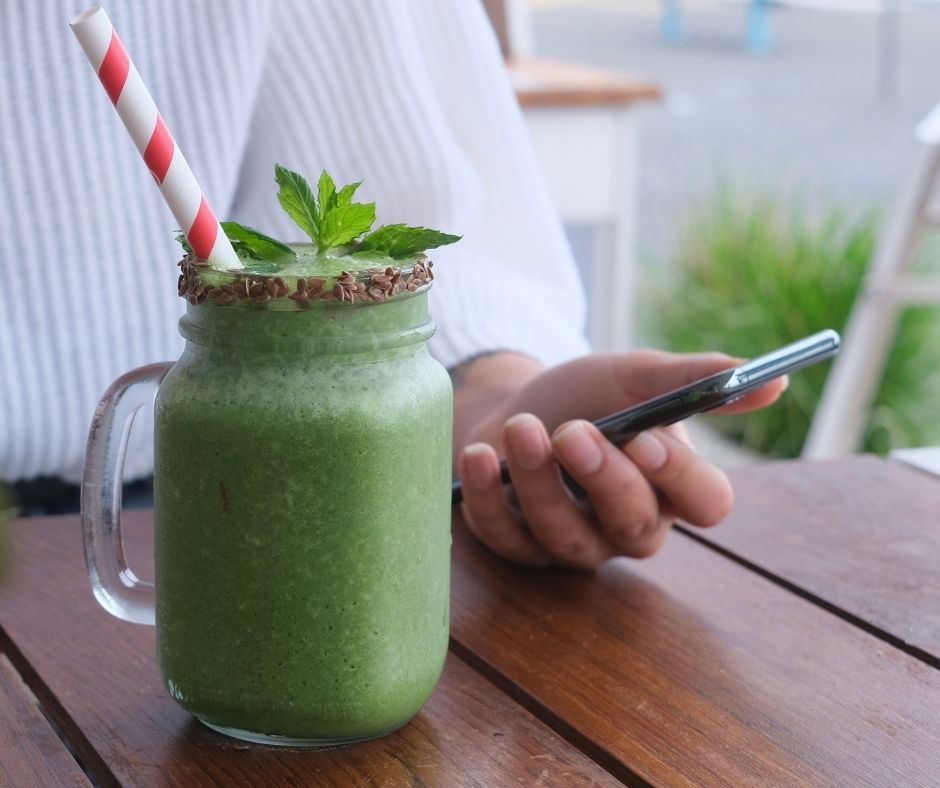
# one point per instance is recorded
(162, 155)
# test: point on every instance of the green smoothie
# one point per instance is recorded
(302, 505)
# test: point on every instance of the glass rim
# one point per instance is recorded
(198, 283)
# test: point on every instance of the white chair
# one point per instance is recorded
(888, 286)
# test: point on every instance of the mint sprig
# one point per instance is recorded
(332, 219)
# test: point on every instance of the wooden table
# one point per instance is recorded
(798, 644)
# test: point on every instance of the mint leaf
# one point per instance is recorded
(184, 242)
(399, 240)
(343, 224)
(341, 220)
(297, 199)
(326, 193)
(344, 196)
(255, 243)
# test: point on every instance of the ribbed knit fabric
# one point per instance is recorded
(409, 96)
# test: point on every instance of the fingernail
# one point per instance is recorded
(647, 451)
(577, 448)
(786, 383)
(525, 441)
(475, 471)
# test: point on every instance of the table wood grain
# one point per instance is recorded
(689, 670)
(861, 534)
(31, 754)
(100, 678)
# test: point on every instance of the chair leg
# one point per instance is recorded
(758, 27)
(841, 416)
(670, 24)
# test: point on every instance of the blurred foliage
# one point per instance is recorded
(751, 275)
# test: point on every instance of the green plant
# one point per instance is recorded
(749, 277)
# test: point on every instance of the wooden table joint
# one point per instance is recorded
(606, 760)
(78, 746)
(848, 617)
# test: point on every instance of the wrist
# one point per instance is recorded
(484, 386)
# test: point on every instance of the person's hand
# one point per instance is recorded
(635, 492)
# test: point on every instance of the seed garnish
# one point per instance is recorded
(372, 285)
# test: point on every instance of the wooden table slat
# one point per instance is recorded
(689, 670)
(861, 533)
(469, 734)
(31, 753)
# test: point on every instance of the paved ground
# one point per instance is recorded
(804, 118)
(807, 120)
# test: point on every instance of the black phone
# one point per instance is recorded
(711, 392)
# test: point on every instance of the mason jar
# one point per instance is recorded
(302, 511)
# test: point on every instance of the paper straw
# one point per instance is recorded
(162, 155)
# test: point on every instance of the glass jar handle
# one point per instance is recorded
(116, 587)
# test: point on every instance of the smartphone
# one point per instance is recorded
(711, 392)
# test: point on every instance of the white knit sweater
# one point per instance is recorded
(409, 96)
